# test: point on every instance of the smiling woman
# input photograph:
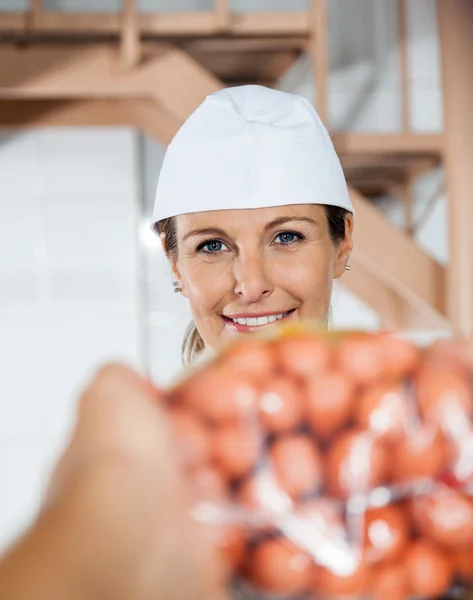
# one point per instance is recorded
(254, 215)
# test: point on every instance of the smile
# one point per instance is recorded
(247, 323)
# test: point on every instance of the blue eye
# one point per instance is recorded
(211, 247)
(288, 237)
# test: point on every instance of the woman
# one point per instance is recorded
(254, 214)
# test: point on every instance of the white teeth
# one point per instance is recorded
(259, 321)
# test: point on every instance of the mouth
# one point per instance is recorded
(245, 323)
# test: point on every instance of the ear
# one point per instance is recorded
(178, 278)
(344, 249)
(174, 267)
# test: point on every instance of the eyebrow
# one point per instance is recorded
(271, 225)
(206, 231)
(284, 220)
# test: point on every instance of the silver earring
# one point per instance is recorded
(348, 268)
(177, 289)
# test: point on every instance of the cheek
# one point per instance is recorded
(205, 285)
(309, 279)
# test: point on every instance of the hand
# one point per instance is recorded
(115, 523)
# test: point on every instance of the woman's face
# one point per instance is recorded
(244, 270)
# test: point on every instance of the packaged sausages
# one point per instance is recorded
(333, 464)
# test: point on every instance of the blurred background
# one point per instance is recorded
(91, 91)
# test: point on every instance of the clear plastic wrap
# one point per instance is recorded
(333, 464)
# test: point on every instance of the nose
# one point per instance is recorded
(251, 275)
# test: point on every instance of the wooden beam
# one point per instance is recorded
(244, 44)
(130, 35)
(145, 115)
(170, 76)
(33, 13)
(222, 15)
(153, 120)
(278, 64)
(13, 22)
(373, 292)
(388, 142)
(394, 312)
(250, 66)
(81, 23)
(390, 255)
(370, 188)
(27, 114)
(189, 24)
(456, 34)
(271, 23)
(319, 53)
(419, 167)
(185, 83)
(413, 164)
(192, 24)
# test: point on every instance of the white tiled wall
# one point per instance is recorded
(69, 293)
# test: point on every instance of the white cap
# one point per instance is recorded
(250, 147)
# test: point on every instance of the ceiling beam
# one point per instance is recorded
(249, 66)
(14, 22)
(145, 115)
(186, 24)
(27, 114)
(244, 44)
(396, 261)
(169, 76)
(402, 143)
(414, 163)
(270, 23)
(154, 121)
